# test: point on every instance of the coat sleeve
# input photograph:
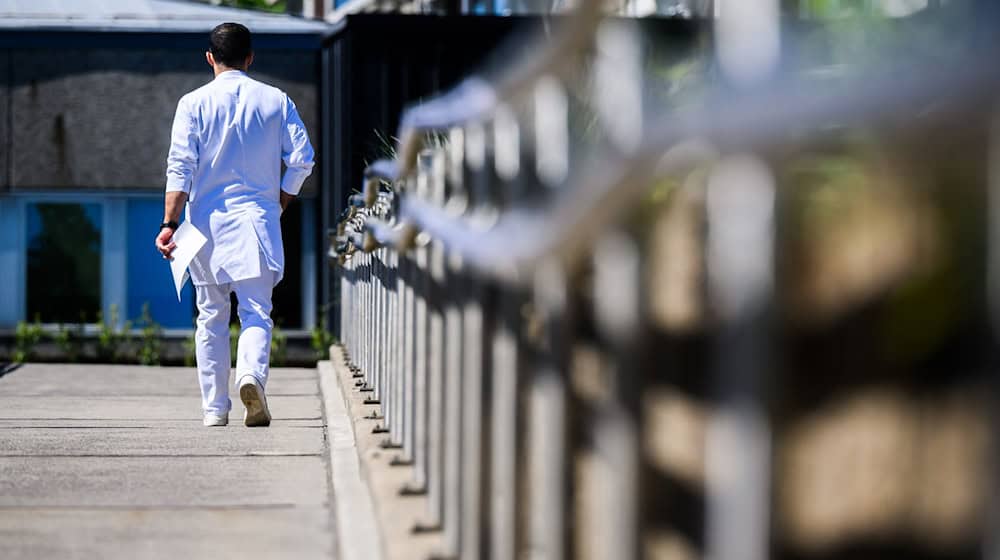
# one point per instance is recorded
(296, 151)
(182, 160)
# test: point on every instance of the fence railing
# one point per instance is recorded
(600, 347)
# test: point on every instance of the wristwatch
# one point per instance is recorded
(171, 224)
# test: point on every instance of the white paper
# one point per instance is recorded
(189, 241)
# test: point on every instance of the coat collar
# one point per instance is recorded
(230, 74)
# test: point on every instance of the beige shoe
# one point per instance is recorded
(252, 395)
(215, 420)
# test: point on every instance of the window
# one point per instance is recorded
(66, 257)
(64, 262)
(825, 9)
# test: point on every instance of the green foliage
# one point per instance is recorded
(262, 5)
(279, 347)
(386, 144)
(677, 77)
(111, 340)
(26, 337)
(190, 350)
(150, 338)
(321, 339)
(834, 8)
(234, 339)
(383, 146)
(69, 339)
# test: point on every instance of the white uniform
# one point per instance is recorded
(229, 138)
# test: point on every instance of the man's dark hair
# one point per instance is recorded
(230, 44)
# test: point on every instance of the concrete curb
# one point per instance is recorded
(396, 514)
(354, 514)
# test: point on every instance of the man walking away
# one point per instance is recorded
(228, 140)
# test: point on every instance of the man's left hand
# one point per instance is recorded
(285, 199)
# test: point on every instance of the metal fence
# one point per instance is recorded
(576, 364)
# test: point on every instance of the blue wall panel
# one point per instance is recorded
(149, 277)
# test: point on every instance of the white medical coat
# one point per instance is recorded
(228, 140)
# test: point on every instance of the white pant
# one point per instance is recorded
(212, 336)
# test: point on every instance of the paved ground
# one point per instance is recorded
(112, 462)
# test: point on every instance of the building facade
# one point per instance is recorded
(87, 97)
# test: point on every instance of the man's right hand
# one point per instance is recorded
(164, 242)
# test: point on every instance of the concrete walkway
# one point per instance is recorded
(113, 462)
